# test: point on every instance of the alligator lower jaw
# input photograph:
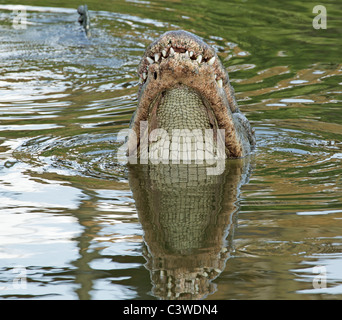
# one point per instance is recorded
(191, 63)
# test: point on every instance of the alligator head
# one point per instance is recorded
(183, 85)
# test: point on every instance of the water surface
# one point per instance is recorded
(76, 224)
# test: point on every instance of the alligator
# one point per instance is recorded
(184, 86)
(188, 216)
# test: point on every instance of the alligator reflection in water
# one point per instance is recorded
(188, 219)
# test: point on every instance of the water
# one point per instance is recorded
(75, 224)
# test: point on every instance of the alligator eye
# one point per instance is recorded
(155, 75)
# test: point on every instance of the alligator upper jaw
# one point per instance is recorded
(179, 57)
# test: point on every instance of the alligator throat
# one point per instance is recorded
(182, 108)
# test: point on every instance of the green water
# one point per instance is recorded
(68, 210)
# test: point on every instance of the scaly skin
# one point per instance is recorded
(180, 58)
(188, 218)
(187, 215)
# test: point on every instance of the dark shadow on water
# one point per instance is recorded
(188, 219)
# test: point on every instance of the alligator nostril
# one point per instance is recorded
(155, 75)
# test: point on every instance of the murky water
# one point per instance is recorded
(75, 224)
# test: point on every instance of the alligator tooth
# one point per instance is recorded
(219, 83)
(187, 53)
(172, 51)
(164, 53)
(156, 57)
(191, 54)
(215, 76)
(211, 61)
(150, 60)
(199, 59)
(144, 75)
